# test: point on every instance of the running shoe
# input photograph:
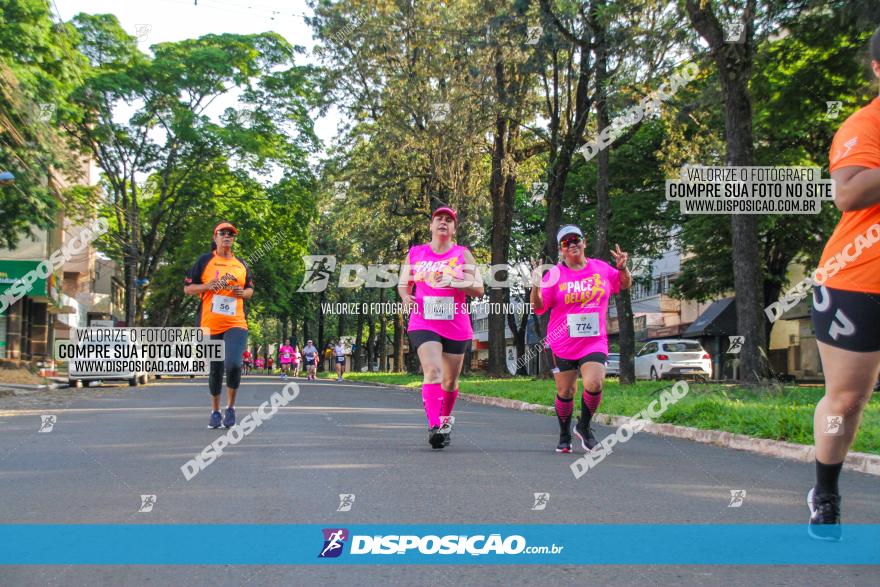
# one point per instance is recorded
(215, 420)
(446, 429)
(585, 434)
(564, 442)
(824, 516)
(435, 437)
(229, 418)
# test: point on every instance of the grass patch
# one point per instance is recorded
(780, 415)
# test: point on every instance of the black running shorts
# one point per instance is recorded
(452, 347)
(847, 320)
(560, 364)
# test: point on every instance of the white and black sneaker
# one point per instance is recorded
(824, 516)
(446, 429)
(586, 436)
(435, 437)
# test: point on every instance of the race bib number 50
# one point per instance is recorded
(583, 325)
(223, 305)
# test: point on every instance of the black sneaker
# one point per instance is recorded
(564, 443)
(435, 437)
(824, 516)
(446, 429)
(585, 434)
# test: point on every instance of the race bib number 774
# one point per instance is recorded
(583, 325)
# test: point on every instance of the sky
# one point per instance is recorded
(174, 20)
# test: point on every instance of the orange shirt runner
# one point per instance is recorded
(852, 246)
(219, 310)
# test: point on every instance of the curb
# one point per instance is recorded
(29, 387)
(855, 461)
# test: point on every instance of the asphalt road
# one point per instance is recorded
(116, 443)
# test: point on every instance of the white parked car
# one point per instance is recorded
(612, 367)
(675, 358)
(86, 379)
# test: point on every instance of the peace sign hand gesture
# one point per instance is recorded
(620, 257)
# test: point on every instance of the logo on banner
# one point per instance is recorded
(334, 539)
(318, 271)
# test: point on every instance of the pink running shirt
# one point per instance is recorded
(285, 354)
(446, 312)
(578, 304)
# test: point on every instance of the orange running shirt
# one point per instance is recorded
(219, 311)
(851, 259)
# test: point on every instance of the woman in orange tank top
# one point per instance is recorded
(846, 305)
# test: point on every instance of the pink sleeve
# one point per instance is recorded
(548, 295)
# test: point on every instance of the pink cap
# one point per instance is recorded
(445, 210)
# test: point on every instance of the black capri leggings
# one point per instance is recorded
(235, 341)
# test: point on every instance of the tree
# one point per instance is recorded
(734, 62)
(171, 139)
(39, 66)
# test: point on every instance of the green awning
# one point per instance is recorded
(12, 270)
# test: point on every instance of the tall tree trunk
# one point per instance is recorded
(540, 324)
(734, 63)
(519, 337)
(130, 286)
(358, 346)
(383, 334)
(321, 341)
(399, 327)
(503, 193)
(371, 341)
(626, 337)
(603, 119)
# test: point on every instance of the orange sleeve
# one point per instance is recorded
(856, 143)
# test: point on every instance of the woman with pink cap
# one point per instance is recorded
(434, 287)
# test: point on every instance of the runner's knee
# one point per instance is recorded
(432, 373)
(847, 404)
(593, 384)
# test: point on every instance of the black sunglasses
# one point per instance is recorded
(225, 233)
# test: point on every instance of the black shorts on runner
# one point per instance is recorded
(561, 364)
(452, 347)
(847, 320)
(310, 363)
(340, 360)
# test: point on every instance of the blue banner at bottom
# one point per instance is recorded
(270, 544)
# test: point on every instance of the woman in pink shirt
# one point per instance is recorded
(577, 292)
(443, 274)
(285, 357)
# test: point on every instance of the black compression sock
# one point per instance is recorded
(563, 413)
(826, 478)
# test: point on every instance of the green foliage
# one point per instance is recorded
(249, 167)
(39, 66)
